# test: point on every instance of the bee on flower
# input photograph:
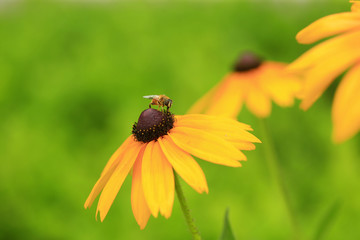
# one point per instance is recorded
(320, 65)
(159, 100)
(162, 144)
(254, 83)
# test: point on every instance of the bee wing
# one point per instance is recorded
(151, 96)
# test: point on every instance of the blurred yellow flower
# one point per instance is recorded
(252, 82)
(161, 143)
(320, 65)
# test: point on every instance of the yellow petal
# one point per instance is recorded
(206, 146)
(281, 86)
(356, 6)
(150, 195)
(138, 203)
(328, 26)
(202, 104)
(226, 128)
(100, 184)
(243, 145)
(157, 180)
(284, 90)
(227, 101)
(214, 121)
(112, 187)
(184, 165)
(115, 157)
(258, 102)
(321, 75)
(346, 106)
(330, 49)
(107, 172)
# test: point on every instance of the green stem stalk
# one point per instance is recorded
(185, 209)
(277, 173)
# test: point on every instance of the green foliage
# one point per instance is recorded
(325, 222)
(227, 233)
(72, 77)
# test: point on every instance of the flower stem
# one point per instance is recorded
(185, 208)
(277, 173)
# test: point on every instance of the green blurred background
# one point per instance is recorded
(72, 77)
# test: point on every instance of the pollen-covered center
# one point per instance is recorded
(246, 62)
(152, 124)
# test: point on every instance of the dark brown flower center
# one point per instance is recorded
(152, 124)
(246, 62)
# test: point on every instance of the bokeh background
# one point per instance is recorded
(72, 77)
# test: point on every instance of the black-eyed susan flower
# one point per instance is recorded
(160, 144)
(320, 65)
(252, 82)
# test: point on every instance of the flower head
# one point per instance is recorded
(252, 82)
(160, 144)
(320, 65)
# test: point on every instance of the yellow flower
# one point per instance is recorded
(252, 82)
(161, 143)
(320, 65)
